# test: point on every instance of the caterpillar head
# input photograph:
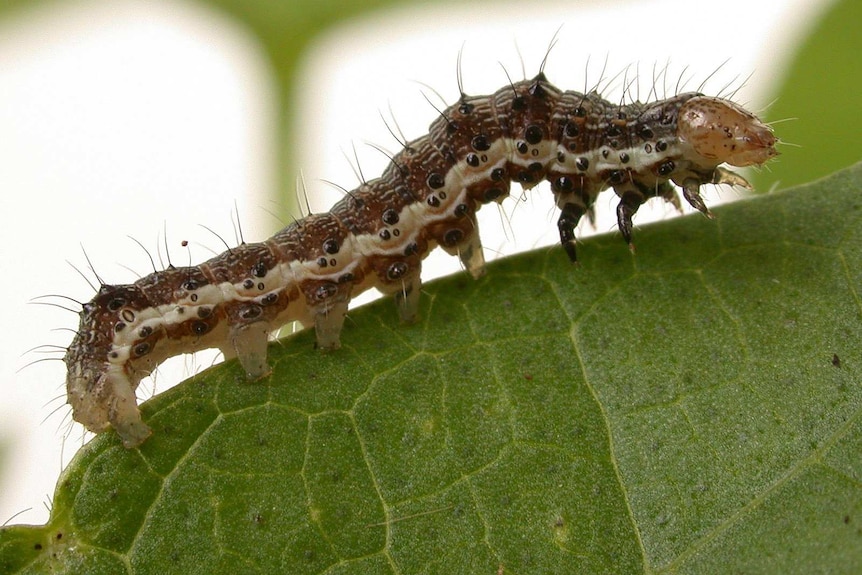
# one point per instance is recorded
(720, 130)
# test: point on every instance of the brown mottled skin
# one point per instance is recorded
(378, 234)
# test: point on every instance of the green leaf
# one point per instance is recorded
(696, 408)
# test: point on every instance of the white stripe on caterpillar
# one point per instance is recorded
(378, 234)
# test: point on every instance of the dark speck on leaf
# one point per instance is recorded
(836, 361)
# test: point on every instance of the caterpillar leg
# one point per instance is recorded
(691, 187)
(459, 235)
(669, 194)
(407, 299)
(570, 215)
(123, 410)
(471, 255)
(630, 201)
(249, 343)
(725, 176)
(469, 250)
(691, 193)
(328, 324)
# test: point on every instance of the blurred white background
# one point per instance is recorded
(129, 118)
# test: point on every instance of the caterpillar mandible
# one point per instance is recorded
(379, 233)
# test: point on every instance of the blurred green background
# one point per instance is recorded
(817, 102)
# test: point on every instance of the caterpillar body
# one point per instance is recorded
(379, 233)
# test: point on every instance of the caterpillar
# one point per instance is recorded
(378, 234)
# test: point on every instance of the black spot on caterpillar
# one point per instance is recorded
(379, 233)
